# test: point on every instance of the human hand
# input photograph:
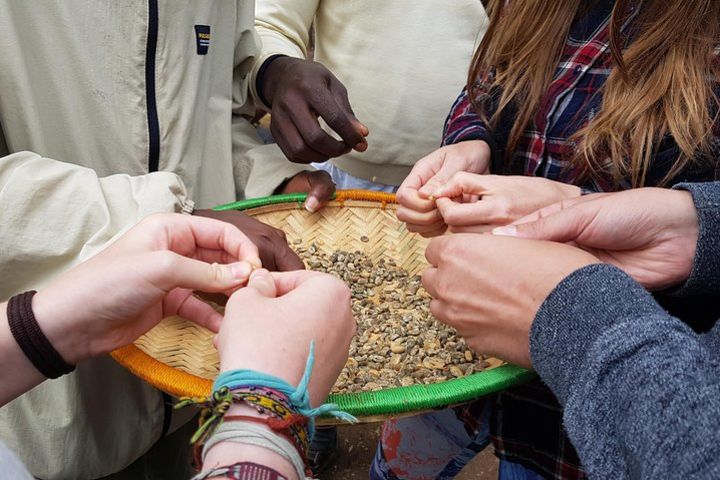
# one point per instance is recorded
(275, 253)
(269, 325)
(146, 275)
(478, 203)
(650, 233)
(318, 185)
(490, 288)
(299, 91)
(417, 206)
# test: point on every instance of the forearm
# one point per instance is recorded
(636, 383)
(17, 375)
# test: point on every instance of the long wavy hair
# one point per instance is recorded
(661, 82)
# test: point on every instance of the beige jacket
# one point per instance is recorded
(403, 62)
(73, 91)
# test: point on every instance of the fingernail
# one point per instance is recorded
(262, 281)
(241, 270)
(507, 231)
(361, 147)
(312, 204)
(259, 274)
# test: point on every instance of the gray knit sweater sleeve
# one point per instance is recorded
(641, 390)
(705, 275)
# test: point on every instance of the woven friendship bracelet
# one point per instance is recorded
(31, 339)
(299, 396)
(284, 419)
(281, 418)
(242, 471)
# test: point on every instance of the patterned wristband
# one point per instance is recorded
(31, 339)
(242, 471)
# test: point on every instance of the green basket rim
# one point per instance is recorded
(413, 398)
(249, 203)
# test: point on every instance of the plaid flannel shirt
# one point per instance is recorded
(526, 425)
(571, 101)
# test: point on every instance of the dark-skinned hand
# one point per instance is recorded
(318, 185)
(275, 253)
(299, 91)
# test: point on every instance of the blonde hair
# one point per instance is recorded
(661, 84)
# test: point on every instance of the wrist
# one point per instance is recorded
(227, 452)
(63, 332)
(479, 153)
(274, 69)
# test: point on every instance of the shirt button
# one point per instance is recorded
(578, 69)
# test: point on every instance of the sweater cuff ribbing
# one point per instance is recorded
(705, 275)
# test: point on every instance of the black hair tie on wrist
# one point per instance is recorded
(31, 339)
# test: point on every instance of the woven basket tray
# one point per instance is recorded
(178, 357)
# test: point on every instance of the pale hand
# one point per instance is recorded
(147, 274)
(269, 325)
(478, 203)
(415, 197)
(650, 233)
(490, 288)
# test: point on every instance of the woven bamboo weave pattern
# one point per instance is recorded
(179, 358)
(339, 226)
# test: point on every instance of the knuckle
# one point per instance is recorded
(450, 215)
(504, 209)
(461, 177)
(437, 309)
(323, 176)
(453, 313)
(217, 272)
(308, 85)
(296, 147)
(316, 136)
(279, 235)
(402, 214)
(448, 252)
(333, 117)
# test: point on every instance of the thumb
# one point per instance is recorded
(436, 182)
(321, 190)
(168, 270)
(263, 282)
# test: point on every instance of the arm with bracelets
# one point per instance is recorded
(270, 388)
(260, 417)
